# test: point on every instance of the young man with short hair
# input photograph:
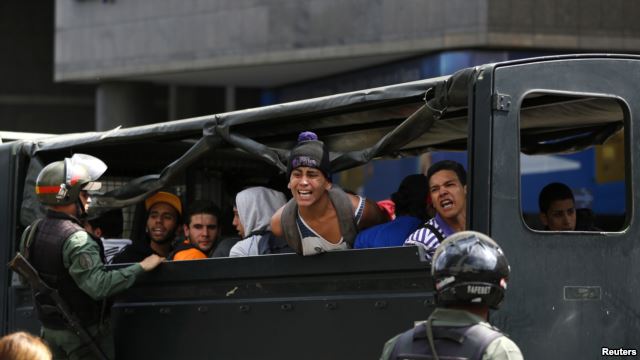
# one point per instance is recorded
(201, 231)
(448, 193)
(557, 207)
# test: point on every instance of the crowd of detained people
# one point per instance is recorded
(319, 217)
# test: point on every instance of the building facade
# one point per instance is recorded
(156, 60)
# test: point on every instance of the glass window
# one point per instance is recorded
(573, 163)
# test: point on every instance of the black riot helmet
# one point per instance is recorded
(470, 268)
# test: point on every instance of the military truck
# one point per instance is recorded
(571, 294)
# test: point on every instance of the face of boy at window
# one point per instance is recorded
(561, 216)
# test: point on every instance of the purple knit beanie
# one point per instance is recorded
(309, 152)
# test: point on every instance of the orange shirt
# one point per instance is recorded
(188, 252)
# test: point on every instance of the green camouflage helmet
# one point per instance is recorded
(60, 182)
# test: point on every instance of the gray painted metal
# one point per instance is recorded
(537, 311)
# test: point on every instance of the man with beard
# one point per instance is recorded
(320, 217)
(448, 193)
(163, 220)
(201, 231)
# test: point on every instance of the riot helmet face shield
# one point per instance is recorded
(470, 268)
(82, 167)
(61, 182)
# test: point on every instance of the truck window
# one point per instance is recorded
(573, 172)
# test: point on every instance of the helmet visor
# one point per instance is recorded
(92, 186)
(80, 165)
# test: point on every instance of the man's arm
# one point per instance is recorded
(81, 256)
(372, 215)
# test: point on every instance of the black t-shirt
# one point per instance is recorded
(133, 253)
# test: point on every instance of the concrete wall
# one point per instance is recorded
(29, 99)
(585, 25)
(125, 38)
(149, 36)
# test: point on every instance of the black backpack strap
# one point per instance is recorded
(270, 244)
(290, 227)
(435, 231)
(344, 210)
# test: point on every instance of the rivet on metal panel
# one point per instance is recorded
(244, 308)
(381, 304)
(165, 310)
(331, 306)
(203, 309)
(286, 307)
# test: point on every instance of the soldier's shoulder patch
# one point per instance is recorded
(86, 261)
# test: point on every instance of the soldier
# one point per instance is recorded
(71, 260)
(470, 274)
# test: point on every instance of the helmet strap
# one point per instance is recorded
(81, 214)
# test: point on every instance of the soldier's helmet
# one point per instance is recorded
(470, 268)
(60, 182)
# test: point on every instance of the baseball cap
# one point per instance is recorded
(165, 197)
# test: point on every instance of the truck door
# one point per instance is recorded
(573, 293)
